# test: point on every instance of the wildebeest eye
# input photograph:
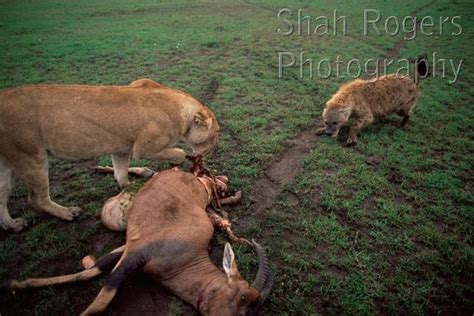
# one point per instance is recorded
(334, 123)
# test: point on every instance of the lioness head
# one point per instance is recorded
(203, 133)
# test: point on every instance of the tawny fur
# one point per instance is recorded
(168, 234)
(362, 101)
(142, 121)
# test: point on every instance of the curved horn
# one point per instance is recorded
(264, 280)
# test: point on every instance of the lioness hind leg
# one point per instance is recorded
(33, 172)
(7, 183)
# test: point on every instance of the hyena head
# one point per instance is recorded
(334, 118)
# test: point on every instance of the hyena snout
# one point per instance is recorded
(332, 130)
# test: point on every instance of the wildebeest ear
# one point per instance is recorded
(229, 264)
(202, 119)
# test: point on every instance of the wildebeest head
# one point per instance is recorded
(236, 296)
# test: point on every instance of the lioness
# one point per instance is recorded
(142, 121)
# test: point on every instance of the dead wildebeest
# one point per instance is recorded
(168, 233)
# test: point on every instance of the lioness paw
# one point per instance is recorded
(70, 213)
(179, 156)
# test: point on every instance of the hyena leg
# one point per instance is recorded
(357, 126)
(407, 112)
(120, 163)
(7, 183)
(405, 117)
(102, 265)
(126, 265)
(33, 172)
(404, 121)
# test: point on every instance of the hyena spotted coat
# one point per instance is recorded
(362, 101)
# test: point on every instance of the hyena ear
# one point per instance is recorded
(229, 264)
(202, 120)
(324, 111)
(345, 112)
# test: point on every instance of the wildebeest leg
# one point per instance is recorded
(138, 171)
(90, 261)
(120, 163)
(103, 265)
(7, 183)
(41, 282)
(127, 264)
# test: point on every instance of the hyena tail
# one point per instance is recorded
(422, 68)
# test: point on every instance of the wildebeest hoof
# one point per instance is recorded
(88, 262)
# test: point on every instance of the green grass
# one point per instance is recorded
(383, 228)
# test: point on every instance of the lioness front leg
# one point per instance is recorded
(153, 146)
(120, 163)
(173, 155)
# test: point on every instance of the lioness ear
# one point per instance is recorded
(202, 120)
(229, 264)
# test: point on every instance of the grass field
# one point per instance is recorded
(385, 227)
